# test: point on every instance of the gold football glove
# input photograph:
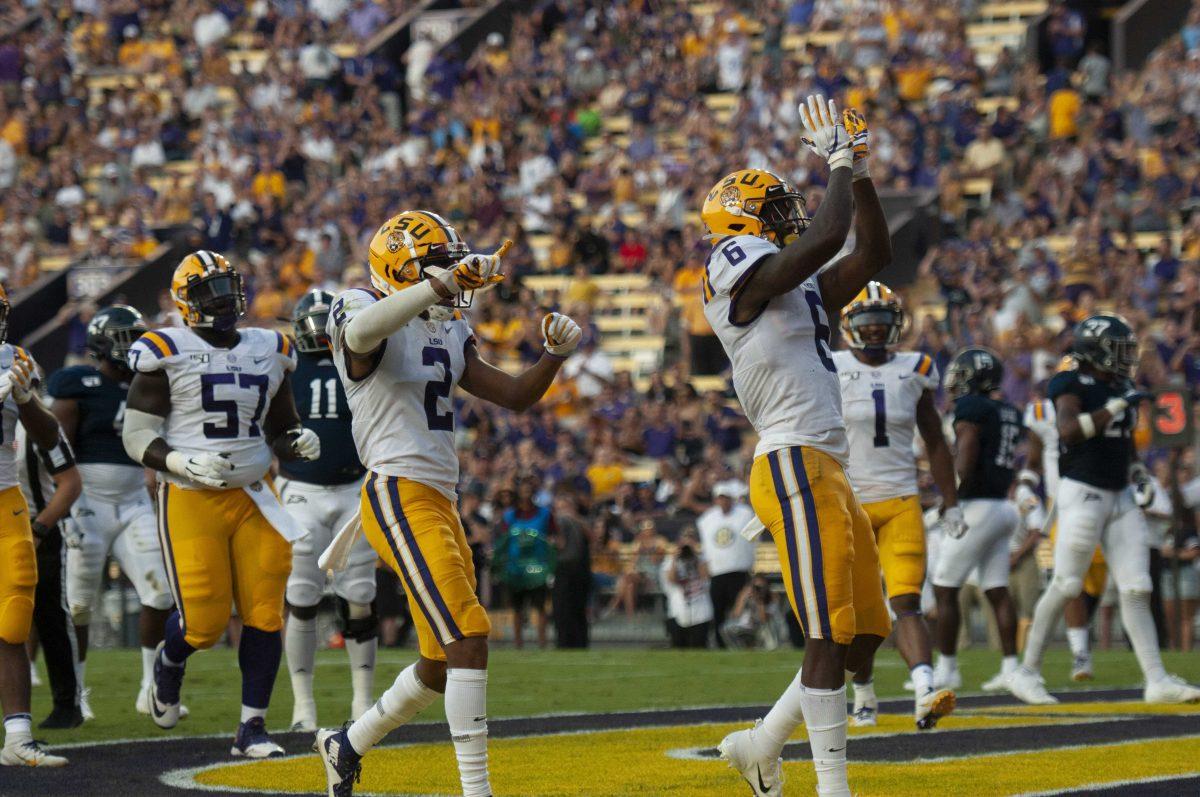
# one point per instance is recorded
(860, 140)
(474, 272)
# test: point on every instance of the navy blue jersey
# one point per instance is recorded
(1101, 461)
(322, 405)
(999, 432)
(101, 402)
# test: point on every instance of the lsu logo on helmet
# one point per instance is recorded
(407, 244)
(876, 305)
(754, 202)
(208, 291)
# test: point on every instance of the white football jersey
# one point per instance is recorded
(1042, 420)
(9, 476)
(783, 369)
(219, 397)
(880, 406)
(402, 415)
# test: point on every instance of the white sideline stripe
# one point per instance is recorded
(1115, 784)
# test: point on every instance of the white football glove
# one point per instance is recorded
(18, 381)
(1142, 483)
(211, 470)
(824, 132)
(954, 522)
(305, 443)
(561, 333)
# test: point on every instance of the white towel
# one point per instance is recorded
(263, 494)
(337, 555)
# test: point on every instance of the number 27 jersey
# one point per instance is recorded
(783, 370)
(402, 415)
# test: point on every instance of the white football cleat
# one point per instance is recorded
(85, 707)
(1081, 668)
(997, 683)
(932, 706)
(764, 776)
(142, 706)
(304, 718)
(866, 711)
(253, 741)
(952, 680)
(29, 754)
(1029, 687)
(1171, 689)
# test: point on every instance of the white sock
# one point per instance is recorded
(825, 718)
(922, 678)
(18, 729)
(362, 669)
(1008, 664)
(249, 713)
(80, 671)
(947, 664)
(864, 694)
(399, 704)
(1077, 638)
(300, 644)
(782, 720)
(147, 666)
(1139, 629)
(466, 712)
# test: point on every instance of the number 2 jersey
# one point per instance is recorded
(783, 369)
(999, 432)
(219, 397)
(9, 355)
(1101, 461)
(880, 405)
(107, 471)
(402, 413)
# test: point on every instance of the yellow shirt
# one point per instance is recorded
(268, 182)
(688, 285)
(582, 291)
(1064, 113)
(604, 479)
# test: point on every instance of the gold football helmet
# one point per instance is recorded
(208, 291)
(410, 242)
(876, 305)
(754, 202)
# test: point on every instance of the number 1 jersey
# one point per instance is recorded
(783, 369)
(219, 397)
(880, 404)
(402, 413)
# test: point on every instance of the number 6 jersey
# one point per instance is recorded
(402, 414)
(783, 369)
(219, 397)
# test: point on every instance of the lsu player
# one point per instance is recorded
(1042, 421)
(401, 348)
(209, 405)
(18, 565)
(1096, 410)
(322, 495)
(886, 396)
(987, 431)
(769, 296)
(115, 513)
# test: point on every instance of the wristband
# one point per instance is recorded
(1087, 425)
(861, 170)
(1115, 405)
(841, 158)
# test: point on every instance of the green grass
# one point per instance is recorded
(527, 682)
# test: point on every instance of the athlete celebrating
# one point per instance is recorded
(1096, 408)
(322, 495)
(886, 396)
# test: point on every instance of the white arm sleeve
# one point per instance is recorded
(372, 325)
(138, 431)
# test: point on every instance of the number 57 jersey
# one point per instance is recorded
(402, 416)
(783, 370)
(219, 397)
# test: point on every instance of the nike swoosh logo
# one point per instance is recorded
(761, 786)
(905, 376)
(260, 362)
(154, 707)
(17, 512)
(836, 749)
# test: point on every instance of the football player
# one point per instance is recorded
(208, 406)
(401, 349)
(18, 565)
(1096, 409)
(886, 396)
(115, 513)
(771, 309)
(987, 431)
(322, 495)
(1042, 466)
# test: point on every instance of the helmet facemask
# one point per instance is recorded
(114, 342)
(218, 298)
(889, 317)
(445, 256)
(309, 329)
(783, 214)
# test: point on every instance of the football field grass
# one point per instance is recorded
(530, 683)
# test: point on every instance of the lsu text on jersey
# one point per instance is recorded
(403, 425)
(228, 545)
(880, 406)
(786, 380)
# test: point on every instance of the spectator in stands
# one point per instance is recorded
(639, 573)
(755, 618)
(523, 558)
(572, 574)
(728, 555)
(686, 586)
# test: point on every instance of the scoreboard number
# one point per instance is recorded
(1171, 421)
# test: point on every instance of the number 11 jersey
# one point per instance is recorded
(783, 370)
(402, 413)
(219, 397)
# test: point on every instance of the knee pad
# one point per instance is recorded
(81, 615)
(359, 621)
(159, 600)
(303, 612)
(1067, 586)
(303, 594)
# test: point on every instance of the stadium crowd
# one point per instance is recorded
(262, 131)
